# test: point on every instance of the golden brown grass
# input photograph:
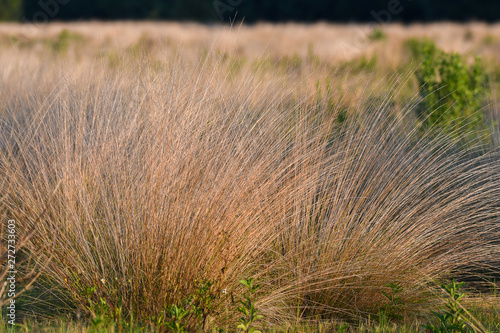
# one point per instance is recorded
(277, 40)
(176, 168)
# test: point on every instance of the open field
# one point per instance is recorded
(149, 167)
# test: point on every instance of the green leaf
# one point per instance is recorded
(242, 326)
(257, 317)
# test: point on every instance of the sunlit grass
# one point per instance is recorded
(143, 174)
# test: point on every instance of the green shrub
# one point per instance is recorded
(417, 48)
(63, 40)
(451, 90)
(377, 34)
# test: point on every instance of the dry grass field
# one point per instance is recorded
(151, 166)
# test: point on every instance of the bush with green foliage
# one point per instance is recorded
(452, 91)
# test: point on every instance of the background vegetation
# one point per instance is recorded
(252, 11)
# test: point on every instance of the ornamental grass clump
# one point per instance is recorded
(153, 180)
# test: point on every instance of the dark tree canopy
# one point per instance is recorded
(252, 11)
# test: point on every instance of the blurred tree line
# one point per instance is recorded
(10, 10)
(251, 10)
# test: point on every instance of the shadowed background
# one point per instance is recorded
(250, 11)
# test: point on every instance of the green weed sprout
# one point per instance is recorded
(451, 319)
(248, 309)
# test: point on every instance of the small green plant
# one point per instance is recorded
(390, 310)
(312, 57)
(489, 40)
(451, 91)
(377, 34)
(342, 328)
(63, 39)
(177, 319)
(289, 64)
(250, 313)
(103, 314)
(203, 302)
(360, 64)
(62, 42)
(192, 315)
(451, 319)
